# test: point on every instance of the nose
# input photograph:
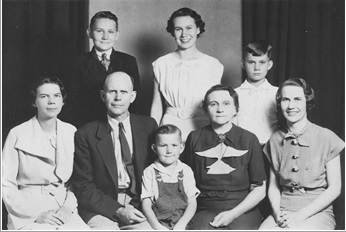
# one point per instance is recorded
(169, 150)
(105, 35)
(291, 104)
(256, 66)
(183, 32)
(117, 96)
(220, 108)
(51, 101)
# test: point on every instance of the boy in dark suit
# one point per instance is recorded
(88, 72)
(110, 156)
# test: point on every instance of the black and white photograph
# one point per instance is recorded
(173, 115)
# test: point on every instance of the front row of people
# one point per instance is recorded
(121, 184)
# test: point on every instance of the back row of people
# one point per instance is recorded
(224, 179)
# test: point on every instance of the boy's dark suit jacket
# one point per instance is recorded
(95, 176)
(84, 79)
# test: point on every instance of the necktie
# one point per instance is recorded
(104, 61)
(127, 160)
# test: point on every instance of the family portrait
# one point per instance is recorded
(173, 115)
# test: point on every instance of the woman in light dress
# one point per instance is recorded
(37, 161)
(305, 175)
(183, 77)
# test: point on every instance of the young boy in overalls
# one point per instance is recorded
(168, 186)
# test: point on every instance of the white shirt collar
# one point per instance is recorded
(264, 86)
(108, 53)
(115, 123)
(158, 166)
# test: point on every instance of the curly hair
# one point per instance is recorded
(308, 92)
(185, 12)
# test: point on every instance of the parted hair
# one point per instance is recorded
(167, 129)
(185, 12)
(105, 15)
(308, 92)
(257, 47)
(219, 87)
(46, 79)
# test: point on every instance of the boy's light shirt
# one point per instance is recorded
(108, 53)
(149, 182)
(257, 109)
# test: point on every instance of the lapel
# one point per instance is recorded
(116, 62)
(137, 137)
(30, 141)
(106, 149)
(93, 64)
(65, 151)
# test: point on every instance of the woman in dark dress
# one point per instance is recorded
(228, 165)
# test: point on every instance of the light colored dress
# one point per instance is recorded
(183, 85)
(300, 163)
(34, 172)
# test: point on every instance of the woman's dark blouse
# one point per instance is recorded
(249, 167)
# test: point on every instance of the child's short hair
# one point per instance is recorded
(308, 92)
(46, 79)
(185, 12)
(167, 129)
(229, 89)
(105, 15)
(257, 47)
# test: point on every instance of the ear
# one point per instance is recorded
(88, 32)
(198, 31)
(153, 147)
(102, 95)
(182, 147)
(117, 35)
(133, 96)
(33, 105)
(243, 64)
(270, 64)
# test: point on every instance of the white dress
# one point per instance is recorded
(183, 85)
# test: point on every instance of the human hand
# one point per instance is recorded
(63, 214)
(290, 219)
(278, 217)
(223, 219)
(130, 215)
(48, 217)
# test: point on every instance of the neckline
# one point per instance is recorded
(192, 60)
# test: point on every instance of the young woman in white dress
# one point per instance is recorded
(182, 77)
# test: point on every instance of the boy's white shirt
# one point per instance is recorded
(149, 182)
(108, 54)
(257, 109)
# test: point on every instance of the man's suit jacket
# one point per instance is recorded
(84, 79)
(95, 178)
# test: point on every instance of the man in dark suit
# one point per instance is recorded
(108, 191)
(87, 73)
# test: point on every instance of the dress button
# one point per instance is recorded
(294, 184)
(306, 168)
(295, 157)
(294, 142)
(295, 169)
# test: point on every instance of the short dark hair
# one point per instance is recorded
(227, 88)
(308, 92)
(46, 79)
(257, 47)
(104, 15)
(167, 129)
(185, 12)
